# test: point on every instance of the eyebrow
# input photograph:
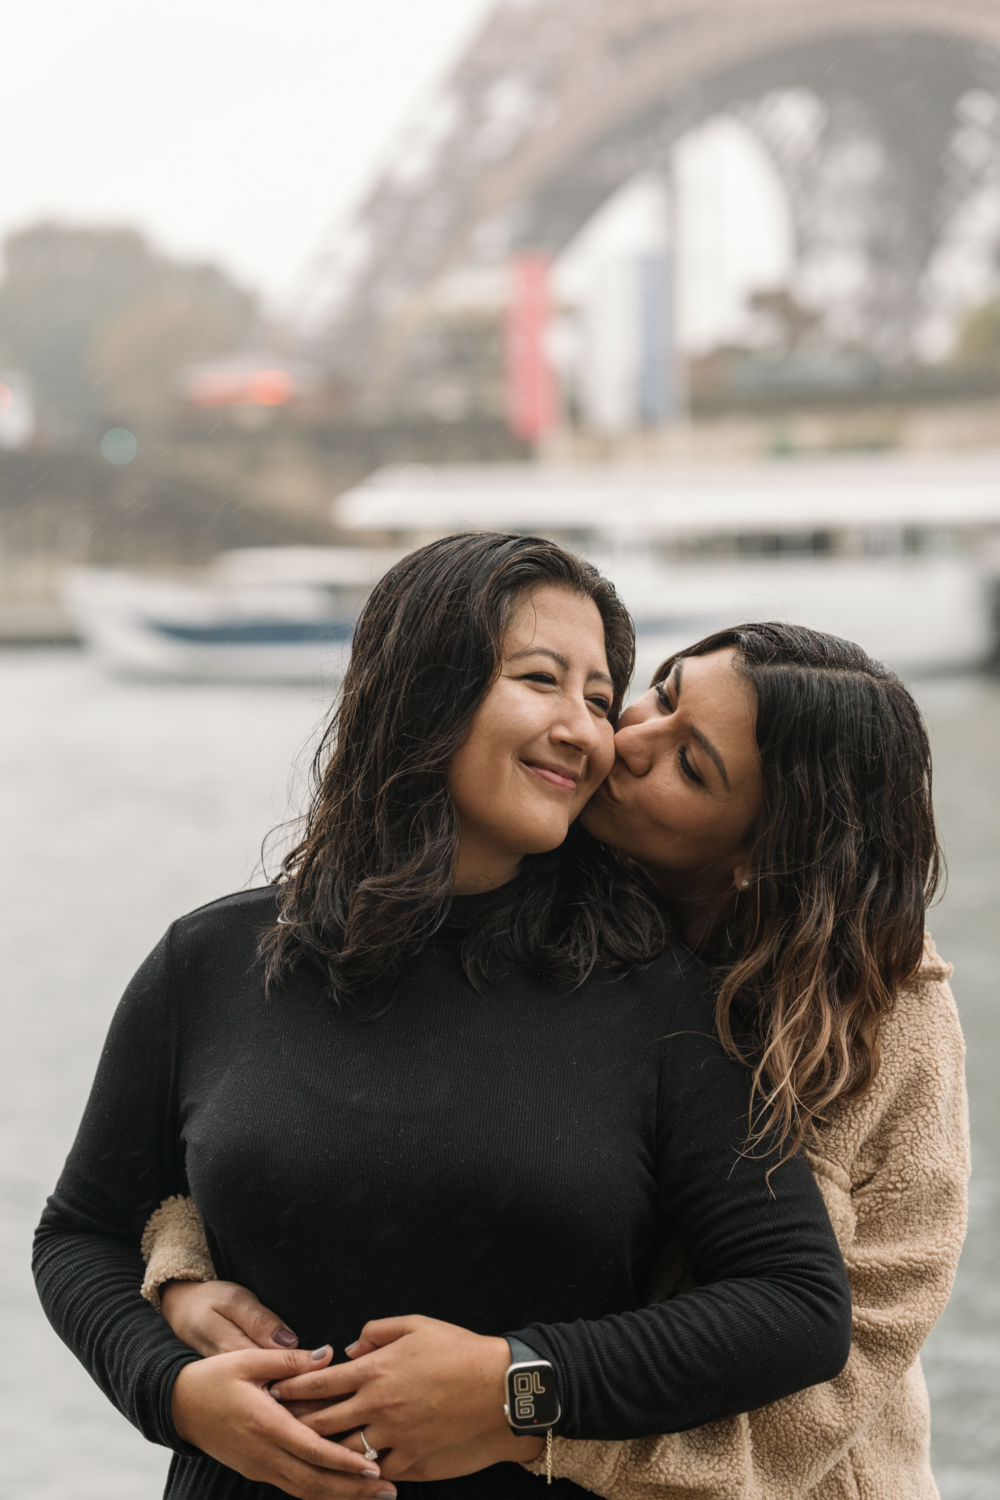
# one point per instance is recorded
(702, 739)
(560, 660)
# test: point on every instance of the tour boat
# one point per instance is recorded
(256, 614)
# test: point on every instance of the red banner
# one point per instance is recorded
(531, 387)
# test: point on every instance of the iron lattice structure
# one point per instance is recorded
(557, 103)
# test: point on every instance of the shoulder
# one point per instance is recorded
(919, 1088)
(225, 926)
(932, 965)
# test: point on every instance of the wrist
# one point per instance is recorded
(497, 1360)
(532, 1403)
(184, 1402)
(528, 1449)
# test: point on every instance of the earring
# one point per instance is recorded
(744, 885)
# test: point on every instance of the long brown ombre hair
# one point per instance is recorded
(371, 878)
(844, 859)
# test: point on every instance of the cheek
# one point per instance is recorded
(603, 758)
(668, 807)
(479, 778)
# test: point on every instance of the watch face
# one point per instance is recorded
(532, 1396)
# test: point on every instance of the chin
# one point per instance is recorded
(542, 838)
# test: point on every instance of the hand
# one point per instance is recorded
(218, 1317)
(415, 1385)
(468, 1458)
(222, 1405)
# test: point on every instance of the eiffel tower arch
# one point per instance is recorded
(557, 103)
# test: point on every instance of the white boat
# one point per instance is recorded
(256, 614)
(897, 552)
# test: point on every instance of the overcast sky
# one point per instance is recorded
(243, 130)
(233, 129)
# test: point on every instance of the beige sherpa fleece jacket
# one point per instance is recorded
(893, 1170)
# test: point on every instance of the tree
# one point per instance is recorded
(101, 322)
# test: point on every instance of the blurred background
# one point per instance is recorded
(709, 291)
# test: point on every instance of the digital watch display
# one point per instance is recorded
(532, 1398)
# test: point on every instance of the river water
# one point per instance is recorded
(123, 805)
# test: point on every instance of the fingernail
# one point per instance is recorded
(272, 1392)
(370, 1473)
(351, 1347)
(321, 1353)
(385, 1495)
(285, 1337)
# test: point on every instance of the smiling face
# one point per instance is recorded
(540, 743)
(686, 783)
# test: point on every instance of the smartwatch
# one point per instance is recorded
(532, 1403)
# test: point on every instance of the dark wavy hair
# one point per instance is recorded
(371, 878)
(844, 860)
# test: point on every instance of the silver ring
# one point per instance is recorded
(370, 1453)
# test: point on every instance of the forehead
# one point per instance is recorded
(550, 615)
(720, 701)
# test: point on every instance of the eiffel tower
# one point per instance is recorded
(557, 103)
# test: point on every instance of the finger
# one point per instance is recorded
(329, 1383)
(342, 1416)
(224, 1336)
(304, 1479)
(305, 1408)
(267, 1367)
(379, 1332)
(261, 1326)
(329, 1421)
(303, 1443)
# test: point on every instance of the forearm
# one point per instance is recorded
(770, 1309)
(89, 1287)
(174, 1248)
(709, 1354)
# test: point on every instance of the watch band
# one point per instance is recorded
(520, 1352)
(532, 1404)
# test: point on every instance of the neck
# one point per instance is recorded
(695, 899)
(479, 870)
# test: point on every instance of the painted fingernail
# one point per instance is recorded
(285, 1337)
(370, 1473)
(321, 1353)
(351, 1347)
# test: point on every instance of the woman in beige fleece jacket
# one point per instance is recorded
(890, 1155)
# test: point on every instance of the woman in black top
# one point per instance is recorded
(448, 1067)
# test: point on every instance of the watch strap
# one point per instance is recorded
(522, 1353)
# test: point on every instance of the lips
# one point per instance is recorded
(606, 789)
(556, 776)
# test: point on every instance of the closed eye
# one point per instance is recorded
(600, 702)
(687, 768)
(544, 677)
(661, 694)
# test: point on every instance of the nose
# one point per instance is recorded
(635, 744)
(578, 728)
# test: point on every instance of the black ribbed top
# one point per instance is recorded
(512, 1161)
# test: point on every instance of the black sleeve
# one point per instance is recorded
(126, 1159)
(771, 1313)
